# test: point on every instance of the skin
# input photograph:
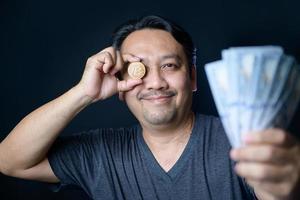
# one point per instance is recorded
(164, 99)
(270, 163)
(161, 101)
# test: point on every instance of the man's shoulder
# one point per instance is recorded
(208, 121)
(100, 135)
(210, 128)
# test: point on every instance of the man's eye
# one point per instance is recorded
(169, 66)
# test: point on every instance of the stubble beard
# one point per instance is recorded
(159, 116)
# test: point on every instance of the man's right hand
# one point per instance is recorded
(99, 79)
(23, 153)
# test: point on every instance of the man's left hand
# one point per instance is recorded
(270, 163)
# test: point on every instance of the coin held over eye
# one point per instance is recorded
(136, 70)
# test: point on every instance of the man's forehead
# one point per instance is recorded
(152, 43)
(150, 38)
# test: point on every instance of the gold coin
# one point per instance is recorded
(136, 70)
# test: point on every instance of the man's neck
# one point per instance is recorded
(168, 144)
(169, 133)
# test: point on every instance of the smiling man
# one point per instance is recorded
(172, 153)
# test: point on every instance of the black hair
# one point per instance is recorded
(156, 22)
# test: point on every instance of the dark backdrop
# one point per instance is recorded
(44, 46)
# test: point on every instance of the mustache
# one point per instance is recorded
(154, 93)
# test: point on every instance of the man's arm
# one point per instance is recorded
(23, 152)
(28, 143)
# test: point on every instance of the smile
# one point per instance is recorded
(158, 99)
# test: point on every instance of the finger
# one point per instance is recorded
(95, 61)
(261, 153)
(103, 61)
(100, 58)
(126, 85)
(264, 172)
(108, 56)
(111, 51)
(270, 136)
(108, 62)
(119, 63)
(272, 189)
(130, 58)
(113, 55)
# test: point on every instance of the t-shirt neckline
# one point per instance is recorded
(178, 167)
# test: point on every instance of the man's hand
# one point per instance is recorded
(270, 163)
(99, 81)
(23, 153)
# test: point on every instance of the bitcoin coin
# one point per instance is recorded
(136, 70)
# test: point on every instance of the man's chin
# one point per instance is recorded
(159, 117)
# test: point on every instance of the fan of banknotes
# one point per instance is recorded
(254, 88)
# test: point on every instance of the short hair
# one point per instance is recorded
(156, 22)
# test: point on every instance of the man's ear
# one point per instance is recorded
(194, 78)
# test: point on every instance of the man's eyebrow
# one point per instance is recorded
(164, 57)
(168, 56)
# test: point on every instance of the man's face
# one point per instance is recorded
(165, 95)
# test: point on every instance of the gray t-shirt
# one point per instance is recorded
(117, 164)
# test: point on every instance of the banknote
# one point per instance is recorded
(285, 103)
(280, 90)
(254, 88)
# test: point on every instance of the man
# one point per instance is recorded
(172, 153)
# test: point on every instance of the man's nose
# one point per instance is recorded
(155, 79)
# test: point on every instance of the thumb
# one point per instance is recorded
(126, 85)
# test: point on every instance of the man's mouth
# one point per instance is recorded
(157, 96)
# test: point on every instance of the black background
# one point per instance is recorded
(44, 46)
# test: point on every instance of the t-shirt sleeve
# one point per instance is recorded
(73, 159)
